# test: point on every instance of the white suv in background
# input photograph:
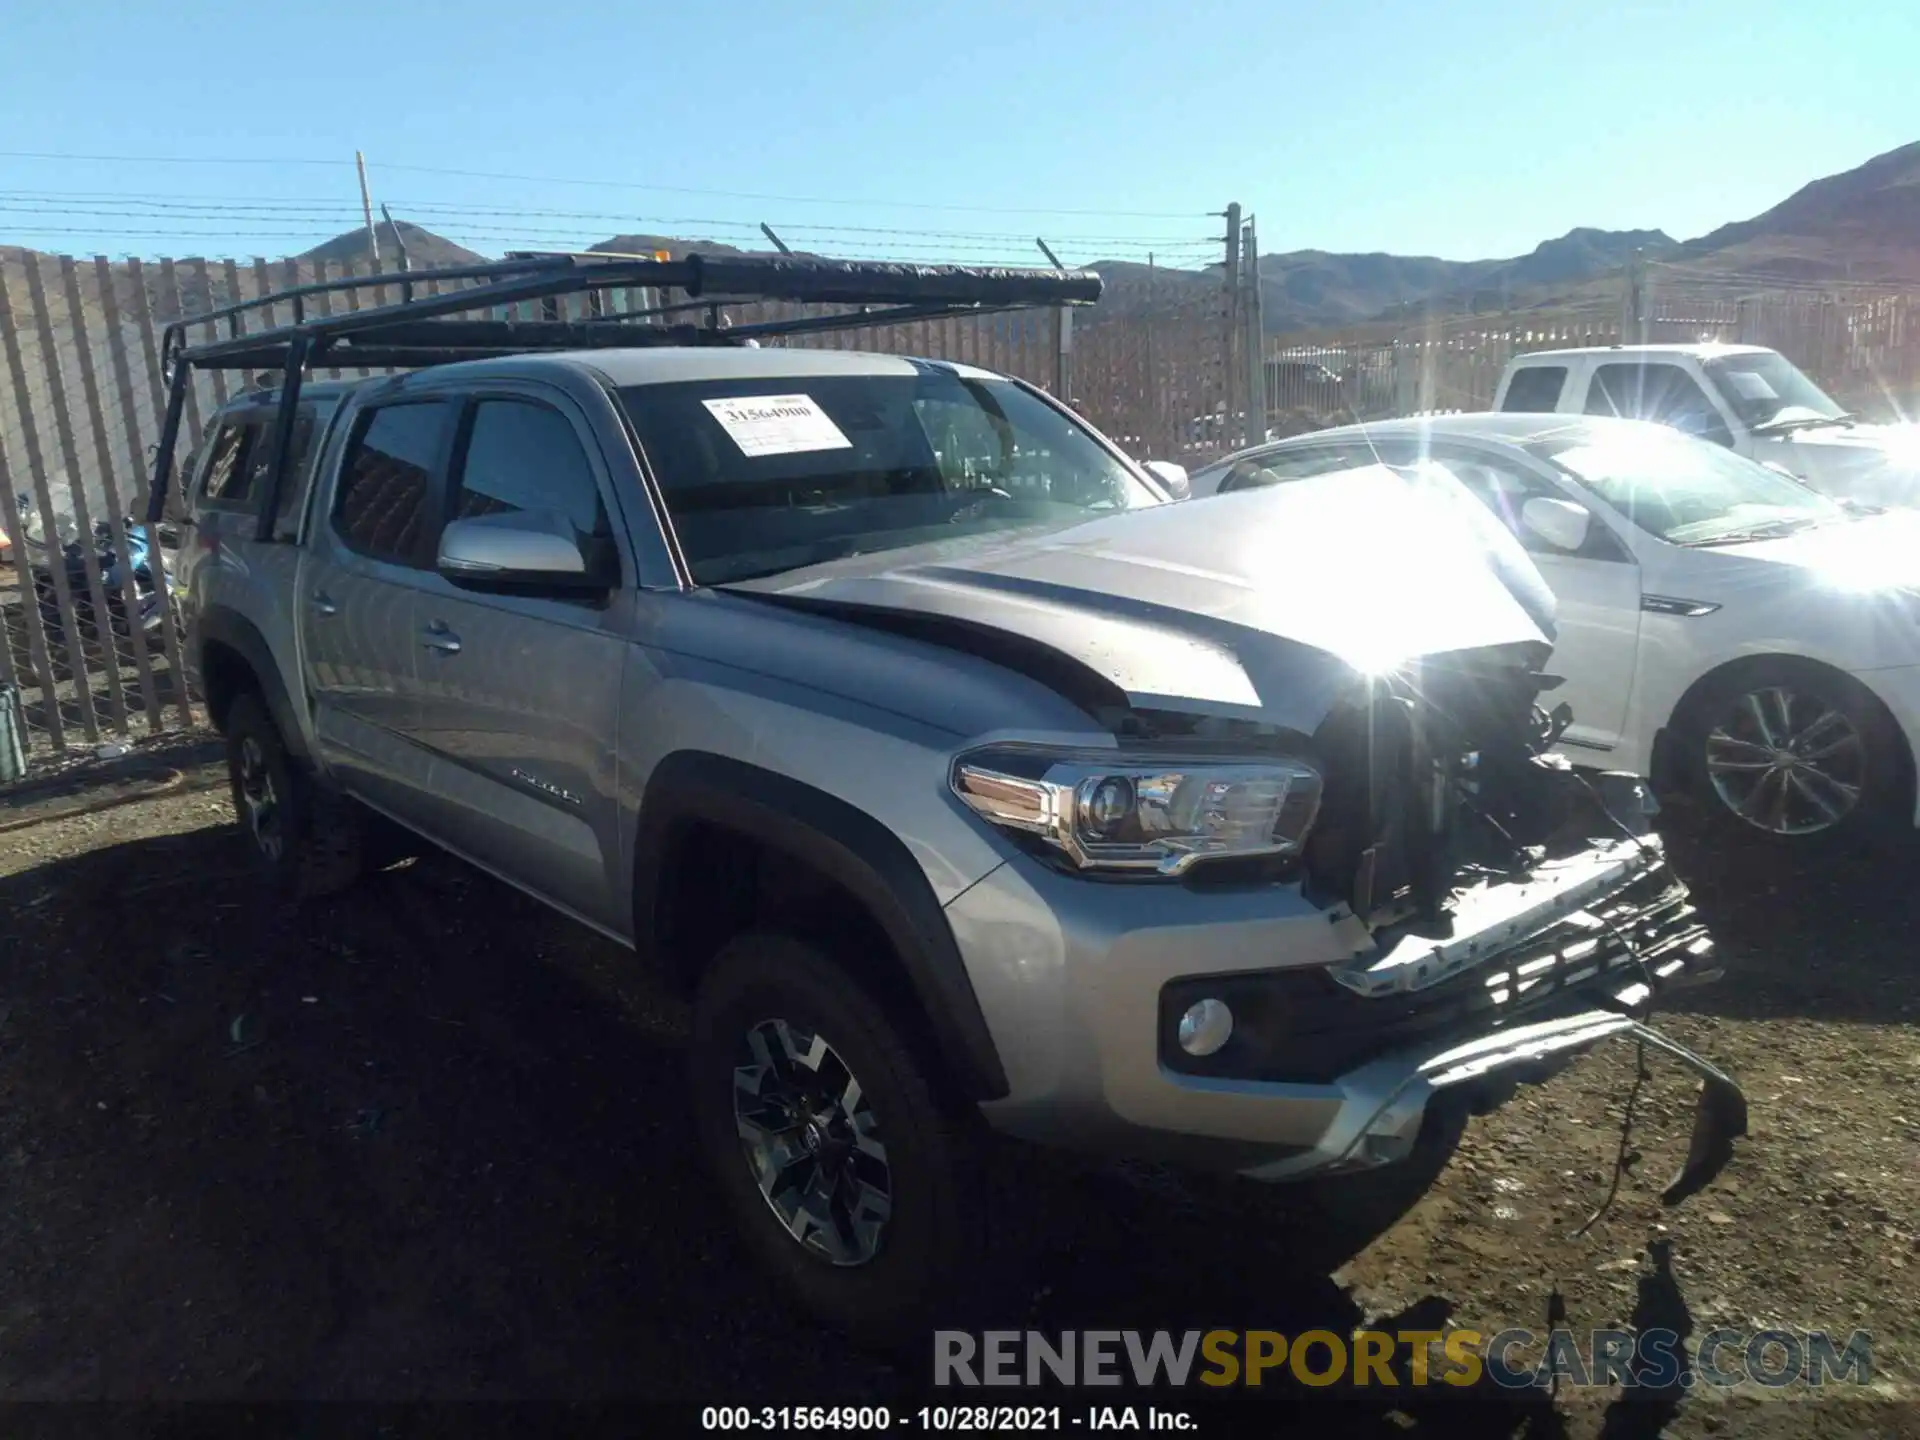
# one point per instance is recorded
(1752, 401)
(1722, 628)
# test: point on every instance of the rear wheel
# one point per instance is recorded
(303, 837)
(854, 1184)
(1794, 754)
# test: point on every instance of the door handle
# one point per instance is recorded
(323, 604)
(438, 637)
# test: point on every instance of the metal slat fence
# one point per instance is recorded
(82, 400)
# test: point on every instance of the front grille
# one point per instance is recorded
(1303, 1026)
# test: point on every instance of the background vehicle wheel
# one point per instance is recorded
(1794, 753)
(846, 1174)
(305, 838)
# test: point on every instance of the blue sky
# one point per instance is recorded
(937, 130)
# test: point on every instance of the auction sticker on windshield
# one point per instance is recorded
(777, 424)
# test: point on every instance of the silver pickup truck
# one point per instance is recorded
(963, 779)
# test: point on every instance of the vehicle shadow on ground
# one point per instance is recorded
(429, 1142)
(1828, 936)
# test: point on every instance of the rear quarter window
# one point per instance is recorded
(1535, 389)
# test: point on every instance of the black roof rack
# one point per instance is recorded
(436, 328)
(421, 328)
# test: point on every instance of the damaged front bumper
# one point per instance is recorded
(1587, 950)
(1338, 1052)
(1385, 1104)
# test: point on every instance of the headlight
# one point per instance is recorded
(1126, 812)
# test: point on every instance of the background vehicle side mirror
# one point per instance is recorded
(526, 551)
(1173, 477)
(1561, 523)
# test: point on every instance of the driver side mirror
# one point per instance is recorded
(531, 552)
(1561, 523)
(1173, 477)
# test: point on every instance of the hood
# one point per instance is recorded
(1264, 604)
(1875, 552)
(1875, 463)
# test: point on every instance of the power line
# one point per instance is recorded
(30, 202)
(605, 184)
(216, 225)
(199, 227)
(868, 249)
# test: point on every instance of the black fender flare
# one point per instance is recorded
(848, 846)
(221, 625)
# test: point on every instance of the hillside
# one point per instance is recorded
(423, 247)
(1862, 225)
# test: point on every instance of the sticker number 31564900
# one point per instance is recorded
(777, 424)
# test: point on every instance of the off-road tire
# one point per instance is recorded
(319, 850)
(934, 1265)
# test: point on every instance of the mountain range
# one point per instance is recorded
(1861, 226)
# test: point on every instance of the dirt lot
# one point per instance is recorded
(427, 1142)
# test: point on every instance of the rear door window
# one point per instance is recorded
(1535, 389)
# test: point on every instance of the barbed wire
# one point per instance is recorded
(27, 202)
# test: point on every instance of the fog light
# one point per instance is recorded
(1205, 1027)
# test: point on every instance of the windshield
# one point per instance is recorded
(1767, 389)
(765, 475)
(1685, 491)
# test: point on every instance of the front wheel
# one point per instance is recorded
(1795, 754)
(855, 1185)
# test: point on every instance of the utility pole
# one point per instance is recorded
(1229, 382)
(366, 205)
(1256, 339)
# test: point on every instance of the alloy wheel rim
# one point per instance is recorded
(812, 1142)
(1786, 762)
(259, 799)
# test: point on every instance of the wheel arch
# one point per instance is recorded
(233, 655)
(695, 801)
(1668, 765)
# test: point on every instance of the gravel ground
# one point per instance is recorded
(426, 1142)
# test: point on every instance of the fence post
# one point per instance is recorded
(38, 652)
(1063, 354)
(83, 518)
(116, 512)
(49, 528)
(1256, 342)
